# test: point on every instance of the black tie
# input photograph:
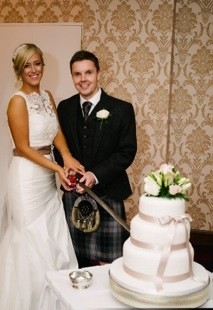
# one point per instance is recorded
(86, 107)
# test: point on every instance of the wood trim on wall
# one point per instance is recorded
(201, 237)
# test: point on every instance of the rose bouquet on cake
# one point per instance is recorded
(166, 182)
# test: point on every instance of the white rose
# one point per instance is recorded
(103, 114)
(184, 187)
(151, 187)
(166, 168)
(168, 179)
(174, 189)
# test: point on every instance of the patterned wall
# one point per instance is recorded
(156, 54)
(192, 105)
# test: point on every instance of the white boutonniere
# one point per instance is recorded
(102, 116)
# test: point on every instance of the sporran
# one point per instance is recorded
(85, 214)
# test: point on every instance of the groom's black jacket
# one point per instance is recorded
(107, 148)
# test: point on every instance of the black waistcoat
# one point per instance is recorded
(86, 134)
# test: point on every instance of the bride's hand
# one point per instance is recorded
(63, 178)
(70, 163)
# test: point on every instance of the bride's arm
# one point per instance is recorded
(70, 163)
(19, 126)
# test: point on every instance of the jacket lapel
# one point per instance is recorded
(102, 104)
(73, 116)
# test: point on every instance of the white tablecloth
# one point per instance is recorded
(60, 295)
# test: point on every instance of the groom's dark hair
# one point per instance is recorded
(84, 55)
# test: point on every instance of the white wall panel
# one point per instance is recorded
(58, 43)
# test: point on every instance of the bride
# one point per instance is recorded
(37, 238)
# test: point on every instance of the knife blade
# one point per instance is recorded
(105, 206)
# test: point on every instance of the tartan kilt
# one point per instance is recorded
(104, 244)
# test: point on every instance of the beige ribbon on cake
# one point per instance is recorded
(166, 249)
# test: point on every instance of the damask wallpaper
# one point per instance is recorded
(157, 54)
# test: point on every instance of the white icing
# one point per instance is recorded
(147, 261)
(150, 240)
(181, 288)
(157, 206)
(156, 234)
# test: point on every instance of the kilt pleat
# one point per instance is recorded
(106, 243)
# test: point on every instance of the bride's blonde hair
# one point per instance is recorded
(21, 55)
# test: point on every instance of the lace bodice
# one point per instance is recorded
(43, 124)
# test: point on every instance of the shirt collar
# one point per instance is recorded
(94, 100)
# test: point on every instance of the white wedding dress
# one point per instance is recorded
(37, 238)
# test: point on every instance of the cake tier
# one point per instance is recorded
(159, 239)
(145, 291)
(144, 262)
(153, 231)
(158, 206)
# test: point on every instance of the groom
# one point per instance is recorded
(104, 141)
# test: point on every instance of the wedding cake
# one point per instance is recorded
(157, 268)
